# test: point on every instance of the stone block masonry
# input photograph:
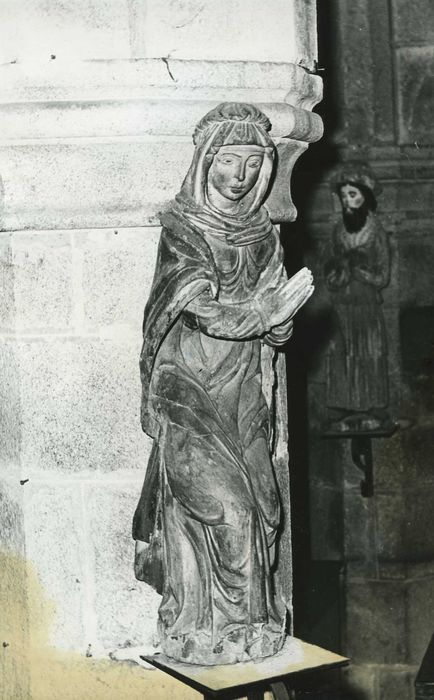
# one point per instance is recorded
(71, 346)
(97, 105)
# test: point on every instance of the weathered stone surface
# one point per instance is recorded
(419, 513)
(7, 308)
(391, 320)
(126, 609)
(418, 448)
(394, 683)
(326, 504)
(416, 94)
(418, 570)
(389, 570)
(304, 19)
(422, 394)
(57, 31)
(382, 61)
(413, 24)
(225, 31)
(390, 465)
(326, 461)
(10, 414)
(90, 185)
(420, 625)
(360, 681)
(359, 530)
(390, 293)
(316, 405)
(117, 268)
(15, 676)
(42, 264)
(318, 207)
(100, 183)
(414, 197)
(415, 269)
(185, 29)
(11, 515)
(55, 544)
(122, 107)
(391, 525)
(159, 79)
(137, 118)
(279, 201)
(418, 364)
(376, 621)
(358, 75)
(418, 165)
(81, 403)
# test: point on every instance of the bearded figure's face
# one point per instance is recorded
(355, 209)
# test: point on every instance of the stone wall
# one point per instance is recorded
(98, 100)
(378, 59)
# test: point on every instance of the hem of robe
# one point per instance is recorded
(243, 643)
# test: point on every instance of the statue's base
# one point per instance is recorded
(253, 678)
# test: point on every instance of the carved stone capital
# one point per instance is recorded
(106, 143)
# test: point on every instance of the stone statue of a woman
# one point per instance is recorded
(206, 523)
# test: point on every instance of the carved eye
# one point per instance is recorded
(254, 164)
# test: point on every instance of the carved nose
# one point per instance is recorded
(240, 173)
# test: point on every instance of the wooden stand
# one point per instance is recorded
(252, 679)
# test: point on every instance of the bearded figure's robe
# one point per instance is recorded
(357, 361)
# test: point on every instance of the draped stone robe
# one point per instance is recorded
(210, 491)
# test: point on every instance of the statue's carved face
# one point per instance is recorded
(234, 172)
(351, 197)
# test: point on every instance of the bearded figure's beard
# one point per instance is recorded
(355, 219)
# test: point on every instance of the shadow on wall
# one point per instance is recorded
(317, 584)
(30, 668)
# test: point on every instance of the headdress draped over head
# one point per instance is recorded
(228, 124)
(356, 173)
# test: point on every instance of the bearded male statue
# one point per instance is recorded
(357, 383)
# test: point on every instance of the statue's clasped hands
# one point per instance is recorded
(281, 303)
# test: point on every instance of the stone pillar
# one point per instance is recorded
(97, 105)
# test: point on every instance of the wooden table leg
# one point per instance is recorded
(279, 691)
(251, 695)
(255, 694)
